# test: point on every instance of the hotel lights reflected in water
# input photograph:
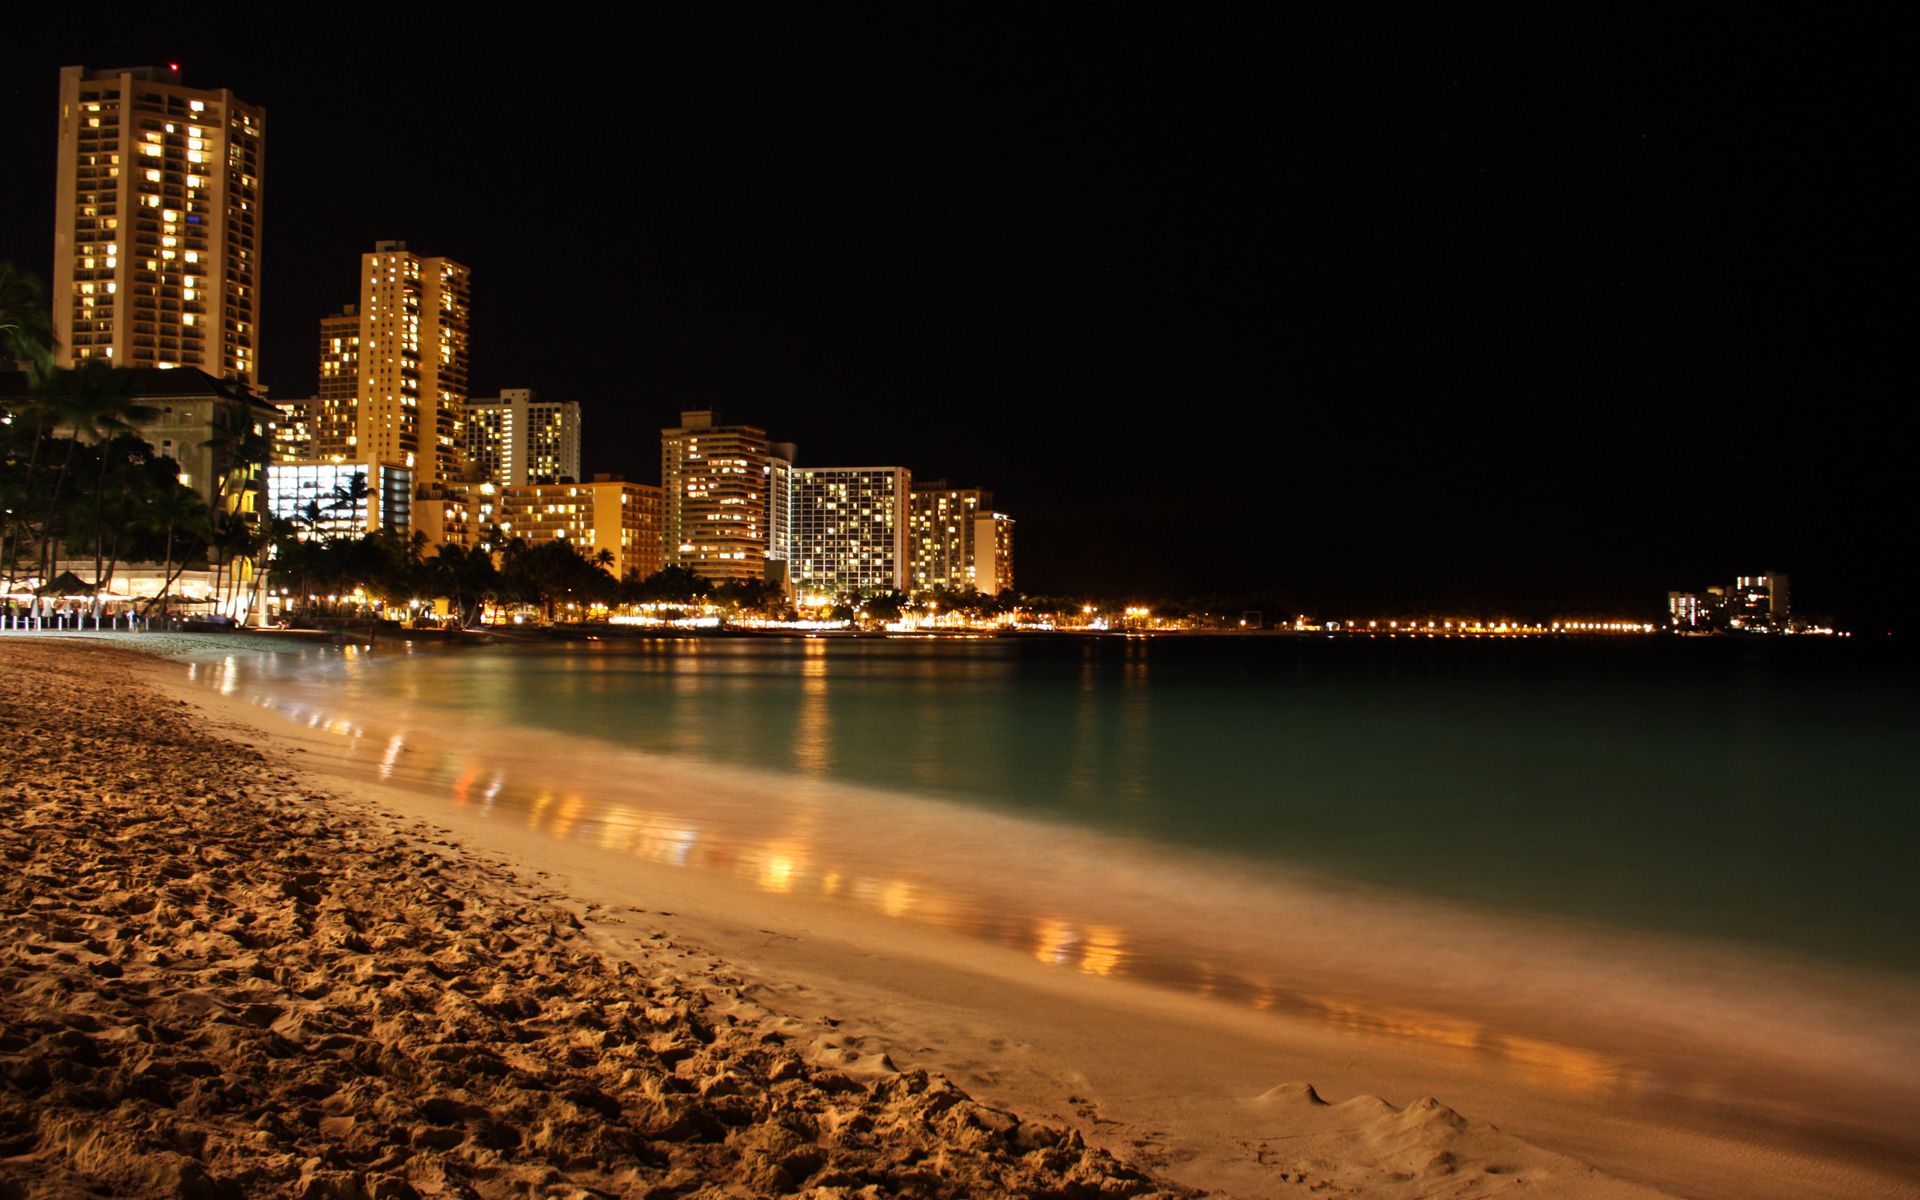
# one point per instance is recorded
(805, 859)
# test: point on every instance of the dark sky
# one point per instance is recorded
(1551, 317)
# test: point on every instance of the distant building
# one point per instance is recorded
(850, 529)
(1754, 604)
(412, 392)
(993, 552)
(456, 516)
(942, 527)
(336, 416)
(621, 518)
(157, 219)
(1764, 596)
(293, 439)
(780, 457)
(330, 499)
(959, 542)
(714, 480)
(516, 439)
(1686, 612)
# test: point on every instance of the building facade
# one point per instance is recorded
(456, 516)
(157, 222)
(342, 499)
(515, 439)
(293, 429)
(851, 529)
(1754, 604)
(780, 458)
(993, 552)
(959, 541)
(1766, 597)
(334, 433)
(943, 535)
(412, 389)
(621, 518)
(714, 483)
(202, 423)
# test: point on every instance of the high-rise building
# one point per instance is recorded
(607, 514)
(780, 456)
(1767, 594)
(157, 222)
(1685, 611)
(334, 433)
(413, 362)
(850, 529)
(714, 483)
(993, 552)
(959, 541)
(943, 528)
(516, 439)
(293, 429)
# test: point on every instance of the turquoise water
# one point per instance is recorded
(1758, 792)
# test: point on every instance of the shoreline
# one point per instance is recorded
(231, 983)
(1176, 1085)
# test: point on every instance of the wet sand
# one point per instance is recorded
(1194, 1085)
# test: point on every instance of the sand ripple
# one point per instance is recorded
(218, 982)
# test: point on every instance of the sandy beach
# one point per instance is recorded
(240, 968)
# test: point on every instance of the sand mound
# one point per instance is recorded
(1364, 1146)
(219, 984)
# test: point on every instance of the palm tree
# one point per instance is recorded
(26, 337)
(240, 449)
(466, 576)
(96, 400)
(267, 533)
(132, 478)
(26, 332)
(176, 510)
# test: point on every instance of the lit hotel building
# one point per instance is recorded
(323, 500)
(293, 429)
(413, 362)
(157, 220)
(780, 456)
(959, 542)
(714, 483)
(850, 529)
(993, 552)
(515, 439)
(1767, 595)
(1754, 604)
(338, 407)
(607, 514)
(457, 516)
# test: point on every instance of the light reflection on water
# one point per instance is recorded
(1096, 732)
(796, 862)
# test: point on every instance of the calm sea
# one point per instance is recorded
(1757, 792)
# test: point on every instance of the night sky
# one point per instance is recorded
(1357, 312)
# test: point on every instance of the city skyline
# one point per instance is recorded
(1353, 328)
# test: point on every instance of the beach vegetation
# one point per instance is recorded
(669, 585)
(552, 577)
(467, 577)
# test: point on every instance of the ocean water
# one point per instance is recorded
(1759, 793)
